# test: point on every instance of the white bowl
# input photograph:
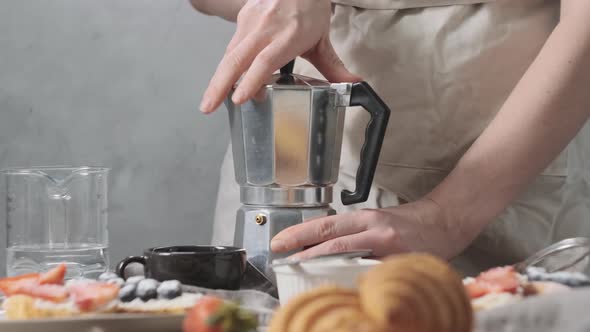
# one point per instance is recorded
(295, 279)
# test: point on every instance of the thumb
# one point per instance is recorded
(325, 59)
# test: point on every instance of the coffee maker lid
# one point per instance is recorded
(287, 80)
(297, 82)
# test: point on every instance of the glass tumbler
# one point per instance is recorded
(57, 215)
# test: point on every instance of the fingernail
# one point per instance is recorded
(205, 105)
(277, 245)
(238, 97)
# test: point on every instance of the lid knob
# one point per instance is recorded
(288, 68)
(287, 73)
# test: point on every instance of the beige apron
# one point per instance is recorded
(445, 67)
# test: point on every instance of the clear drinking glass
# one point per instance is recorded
(57, 215)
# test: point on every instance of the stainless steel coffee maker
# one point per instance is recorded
(286, 145)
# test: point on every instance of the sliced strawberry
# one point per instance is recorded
(198, 318)
(53, 293)
(30, 286)
(54, 276)
(500, 279)
(91, 296)
(11, 286)
(496, 280)
(14, 285)
(212, 314)
(498, 273)
(476, 289)
(44, 286)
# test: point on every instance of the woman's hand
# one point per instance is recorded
(269, 34)
(419, 226)
(226, 9)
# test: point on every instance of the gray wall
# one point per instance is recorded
(117, 83)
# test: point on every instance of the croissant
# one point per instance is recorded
(407, 293)
(328, 308)
(416, 293)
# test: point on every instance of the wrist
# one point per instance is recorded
(457, 213)
(437, 219)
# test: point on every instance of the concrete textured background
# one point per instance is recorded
(117, 84)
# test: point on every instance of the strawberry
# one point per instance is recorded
(496, 280)
(54, 276)
(92, 296)
(212, 314)
(14, 285)
(29, 284)
(53, 293)
(500, 279)
(476, 289)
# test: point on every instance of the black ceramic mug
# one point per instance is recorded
(210, 267)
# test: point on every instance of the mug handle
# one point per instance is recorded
(120, 269)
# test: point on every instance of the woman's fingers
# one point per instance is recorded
(237, 38)
(278, 53)
(358, 241)
(273, 57)
(231, 67)
(317, 231)
(270, 34)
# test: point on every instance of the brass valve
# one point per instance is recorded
(260, 219)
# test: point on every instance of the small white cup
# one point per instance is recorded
(296, 279)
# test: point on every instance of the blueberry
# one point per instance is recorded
(134, 280)
(117, 281)
(147, 289)
(106, 276)
(152, 282)
(169, 289)
(127, 293)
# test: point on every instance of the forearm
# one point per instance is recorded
(542, 115)
(226, 9)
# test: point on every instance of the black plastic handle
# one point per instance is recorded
(287, 73)
(363, 95)
(288, 68)
(120, 270)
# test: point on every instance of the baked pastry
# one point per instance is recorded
(407, 293)
(28, 307)
(416, 293)
(46, 295)
(328, 308)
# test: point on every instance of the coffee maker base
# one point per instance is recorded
(257, 225)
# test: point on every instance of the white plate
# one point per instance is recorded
(259, 303)
(98, 323)
(103, 323)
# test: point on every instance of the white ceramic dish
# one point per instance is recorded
(103, 323)
(295, 279)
